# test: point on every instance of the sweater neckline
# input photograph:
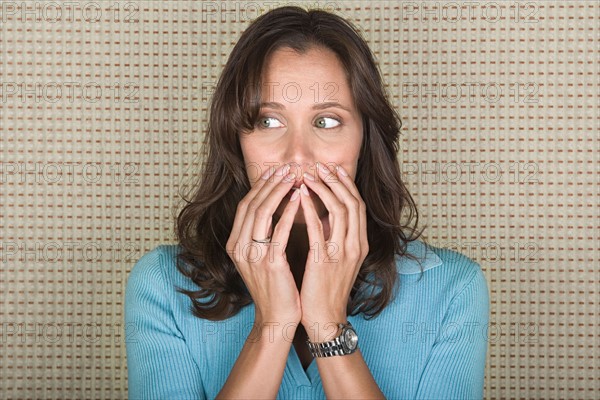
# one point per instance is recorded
(426, 257)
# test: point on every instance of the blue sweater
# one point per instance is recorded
(429, 343)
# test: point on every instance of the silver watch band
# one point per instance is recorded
(331, 348)
(327, 349)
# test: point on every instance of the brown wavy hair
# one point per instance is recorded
(204, 224)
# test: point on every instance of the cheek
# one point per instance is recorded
(252, 162)
(253, 171)
(346, 157)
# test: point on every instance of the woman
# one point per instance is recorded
(296, 275)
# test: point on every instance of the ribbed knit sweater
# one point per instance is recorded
(429, 343)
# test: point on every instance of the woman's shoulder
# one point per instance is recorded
(155, 260)
(442, 266)
(156, 267)
(153, 283)
(430, 256)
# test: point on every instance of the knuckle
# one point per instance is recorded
(243, 204)
(252, 206)
(339, 209)
(365, 251)
(231, 243)
(362, 204)
(261, 211)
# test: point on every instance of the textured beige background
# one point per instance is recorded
(103, 106)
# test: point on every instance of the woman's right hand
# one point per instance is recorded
(263, 266)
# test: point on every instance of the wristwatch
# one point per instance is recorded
(345, 343)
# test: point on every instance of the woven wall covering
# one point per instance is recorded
(103, 106)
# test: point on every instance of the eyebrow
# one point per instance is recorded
(318, 106)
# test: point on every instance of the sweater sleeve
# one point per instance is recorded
(455, 368)
(159, 363)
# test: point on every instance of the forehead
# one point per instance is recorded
(317, 73)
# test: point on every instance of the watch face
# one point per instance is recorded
(351, 339)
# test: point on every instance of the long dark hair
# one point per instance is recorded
(205, 222)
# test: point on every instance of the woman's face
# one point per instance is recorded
(307, 115)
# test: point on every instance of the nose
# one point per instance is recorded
(299, 152)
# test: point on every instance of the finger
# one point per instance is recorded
(314, 226)
(341, 176)
(240, 214)
(263, 217)
(345, 189)
(363, 228)
(344, 178)
(282, 230)
(251, 204)
(342, 185)
(337, 209)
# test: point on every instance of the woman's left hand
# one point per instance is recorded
(332, 264)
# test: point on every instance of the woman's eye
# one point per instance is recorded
(327, 122)
(269, 122)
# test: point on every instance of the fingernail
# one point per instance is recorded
(309, 176)
(295, 194)
(304, 189)
(323, 168)
(267, 174)
(289, 178)
(341, 170)
(283, 171)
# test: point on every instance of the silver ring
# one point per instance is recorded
(267, 240)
